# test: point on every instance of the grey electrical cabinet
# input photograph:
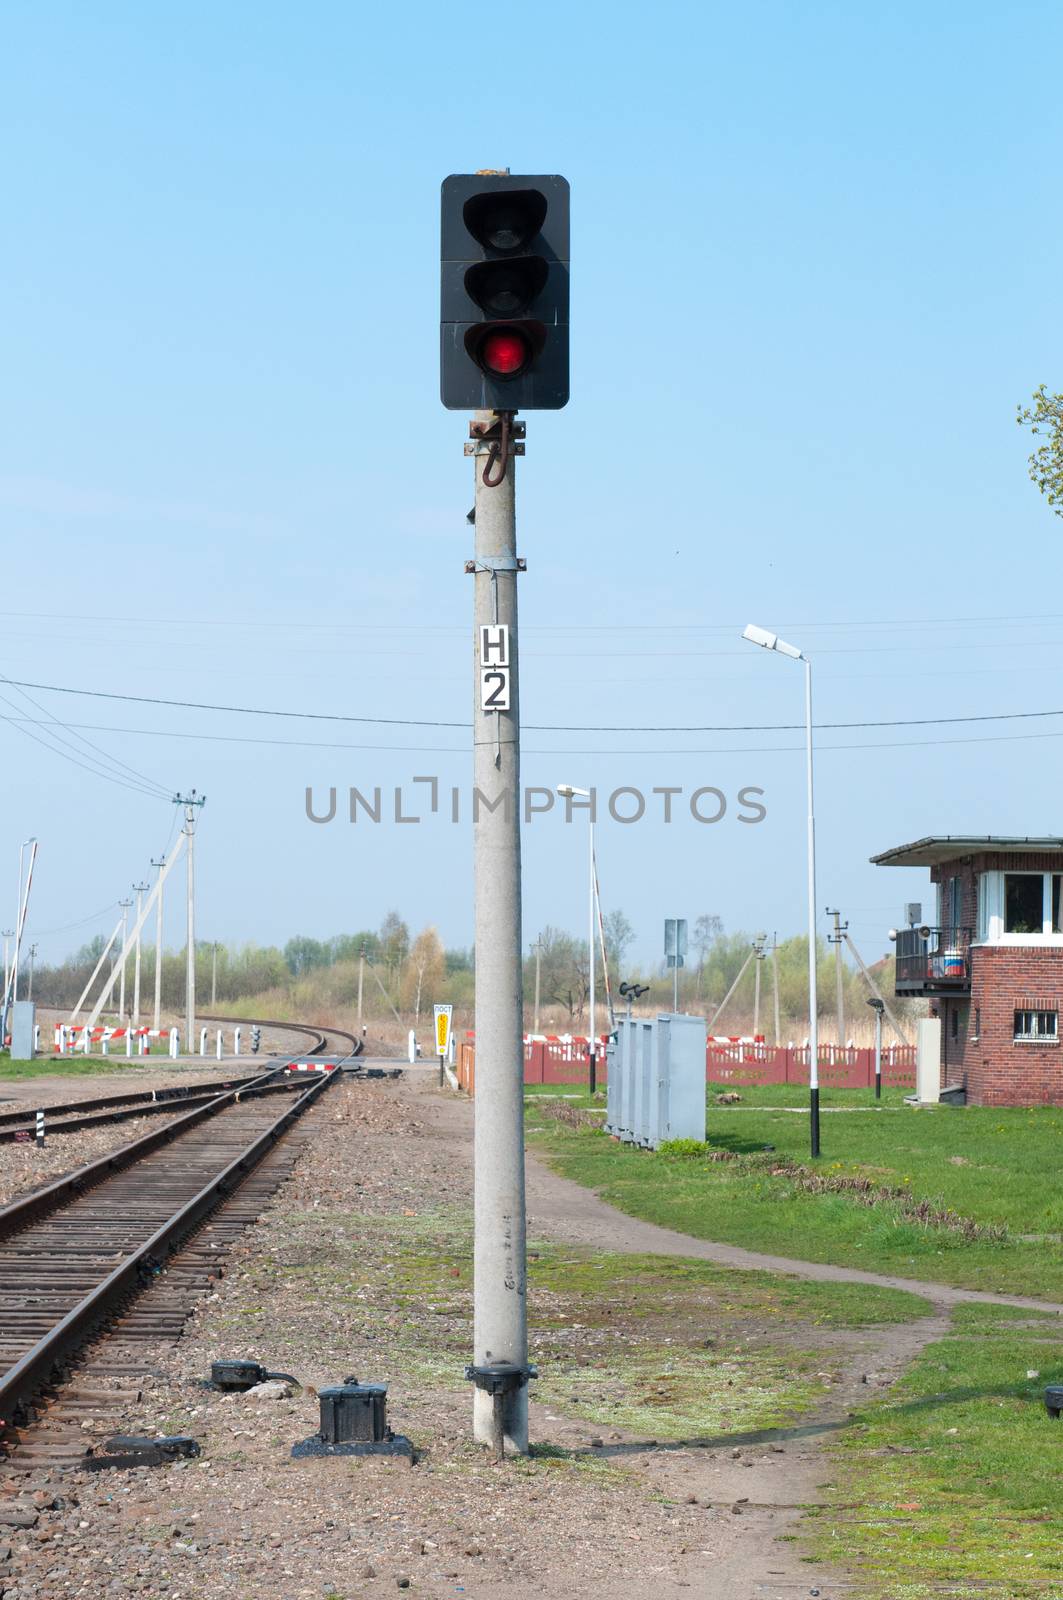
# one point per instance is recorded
(23, 1029)
(656, 1087)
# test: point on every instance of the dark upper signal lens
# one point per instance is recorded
(506, 221)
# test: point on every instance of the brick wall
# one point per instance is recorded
(997, 1070)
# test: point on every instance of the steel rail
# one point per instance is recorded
(178, 1091)
(25, 1130)
(32, 1207)
(316, 1031)
(40, 1364)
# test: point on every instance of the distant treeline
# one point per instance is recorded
(406, 975)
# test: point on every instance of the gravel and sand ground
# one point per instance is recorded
(360, 1265)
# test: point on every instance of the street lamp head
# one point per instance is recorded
(770, 641)
(567, 790)
(877, 1005)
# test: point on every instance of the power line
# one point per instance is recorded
(101, 756)
(623, 750)
(539, 727)
(57, 749)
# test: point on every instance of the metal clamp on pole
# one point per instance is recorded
(495, 564)
(499, 1379)
(504, 439)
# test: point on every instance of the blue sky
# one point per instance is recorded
(811, 261)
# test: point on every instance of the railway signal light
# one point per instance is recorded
(504, 292)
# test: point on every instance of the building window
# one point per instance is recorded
(954, 1021)
(1037, 1025)
(977, 1030)
(1024, 902)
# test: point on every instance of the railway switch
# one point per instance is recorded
(354, 1421)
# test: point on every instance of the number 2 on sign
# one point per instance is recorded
(494, 689)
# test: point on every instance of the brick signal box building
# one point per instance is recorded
(991, 963)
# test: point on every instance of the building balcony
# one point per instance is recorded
(934, 960)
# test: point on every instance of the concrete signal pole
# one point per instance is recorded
(214, 976)
(190, 802)
(361, 977)
(125, 905)
(7, 935)
(33, 951)
(139, 889)
(500, 1326)
(158, 948)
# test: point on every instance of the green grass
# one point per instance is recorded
(70, 1066)
(954, 1483)
(997, 1167)
(658, 1347)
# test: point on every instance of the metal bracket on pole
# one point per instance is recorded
(500, 1379)
(497, 564)
(499, 440)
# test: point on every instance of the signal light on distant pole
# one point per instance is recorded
(504, 292)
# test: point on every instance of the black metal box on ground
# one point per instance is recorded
(354, 1413)
(354, 1422)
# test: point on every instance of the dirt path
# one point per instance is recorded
(566, 1210)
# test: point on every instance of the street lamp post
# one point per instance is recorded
(568, 791)
(878, 1006)
(771, 641)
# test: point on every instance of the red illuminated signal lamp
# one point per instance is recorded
(505, 350)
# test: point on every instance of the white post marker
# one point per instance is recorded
(218, 1050)
(444, 1016)
(411, 1047)
(494, 666)
(202, 1041)
(40, 1128)
(129, 1041)
(175, 1041)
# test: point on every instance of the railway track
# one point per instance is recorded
(86, 1254)
(320, 1035)
(73, 1116)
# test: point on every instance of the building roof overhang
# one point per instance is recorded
(938, 848)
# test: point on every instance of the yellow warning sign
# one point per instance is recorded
(443, 1016)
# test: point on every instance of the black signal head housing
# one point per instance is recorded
(504, 267)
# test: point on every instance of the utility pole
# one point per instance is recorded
(7, 934)
(139, 889)
(158, 947)
(29, 991)
(361, 977)
(500, 1327)
(538, 979)
(190, 802)
(125, 905)
(775, 983)
(758, 952)
(837, 940)
(214, 976)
